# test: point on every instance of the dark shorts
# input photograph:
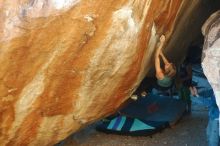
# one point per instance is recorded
(149, 83)
(161, 88)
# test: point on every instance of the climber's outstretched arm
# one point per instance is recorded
(164, 58)
(159, 71)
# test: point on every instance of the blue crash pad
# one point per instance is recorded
(155, 108)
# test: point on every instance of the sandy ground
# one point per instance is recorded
(189, 131)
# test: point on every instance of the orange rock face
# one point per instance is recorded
(67, 63)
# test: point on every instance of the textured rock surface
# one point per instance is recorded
(67, 63)
(211, 53)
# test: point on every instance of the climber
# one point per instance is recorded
(164, 76)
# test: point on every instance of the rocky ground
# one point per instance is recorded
(189, 131)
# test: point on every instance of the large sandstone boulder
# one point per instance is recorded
(211, 53)
(67, 63)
